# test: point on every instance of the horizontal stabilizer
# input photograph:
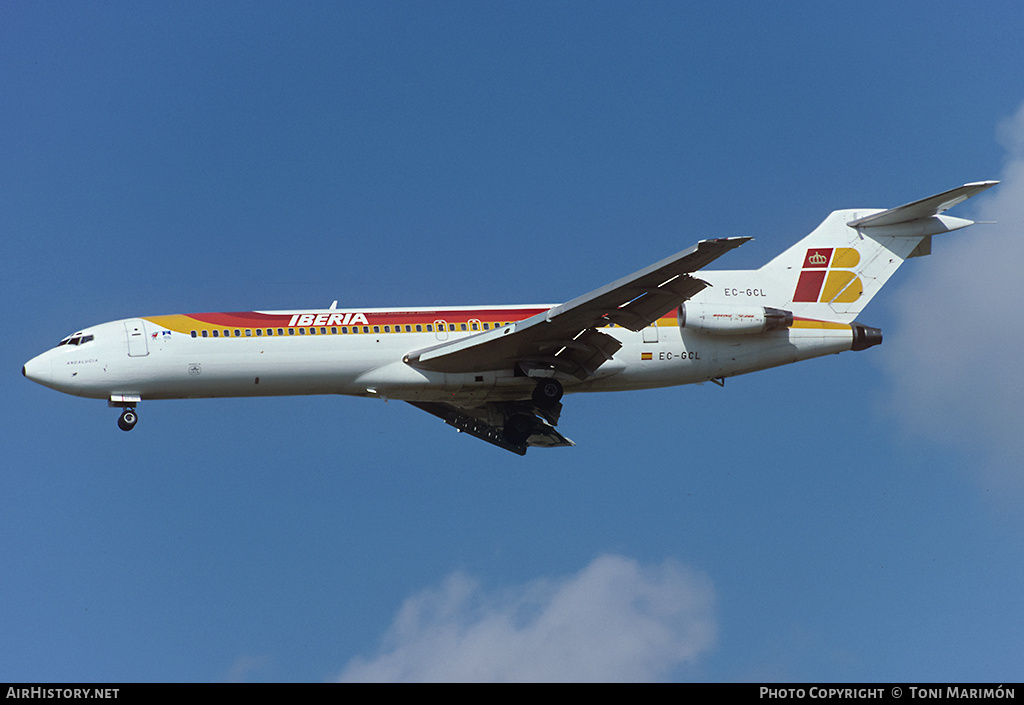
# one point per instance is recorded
(925, 208)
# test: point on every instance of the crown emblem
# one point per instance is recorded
(817, 258)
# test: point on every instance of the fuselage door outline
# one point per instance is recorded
(135, 329)
(441, 329)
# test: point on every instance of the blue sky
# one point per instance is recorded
(856, 518)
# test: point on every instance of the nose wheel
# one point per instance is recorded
(127, 420)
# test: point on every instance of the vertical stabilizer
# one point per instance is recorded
(835, 271)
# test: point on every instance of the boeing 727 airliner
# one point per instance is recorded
(499, 372)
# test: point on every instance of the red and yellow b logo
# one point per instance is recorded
(840, 285)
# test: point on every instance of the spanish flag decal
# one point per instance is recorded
(646, 356)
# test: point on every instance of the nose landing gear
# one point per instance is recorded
(125, 402)
(127, 420)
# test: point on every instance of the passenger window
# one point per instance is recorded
(323, 331)
(216, 334)
(376, 329)
(291, 331)
(462, 326)
(259, 332)
(206, 334)
(419, 328)
(387, 329)
(248, 333)
(334, 330)
(193, 334)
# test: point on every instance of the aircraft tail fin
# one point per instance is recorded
(835, 271)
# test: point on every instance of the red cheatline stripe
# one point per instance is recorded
(241, 319)
(252, 319)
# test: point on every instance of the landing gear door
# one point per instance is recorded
(135, 329)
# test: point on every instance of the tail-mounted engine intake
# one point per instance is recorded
(722, 319)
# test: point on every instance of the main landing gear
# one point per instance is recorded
(547, 393)
(127, 420)
(520, 426)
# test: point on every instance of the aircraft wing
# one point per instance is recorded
(481, 422)
(565, 338)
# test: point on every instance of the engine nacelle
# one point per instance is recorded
(723, 319)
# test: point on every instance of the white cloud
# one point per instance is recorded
(244, 666)
(613, 621)
(960, 330)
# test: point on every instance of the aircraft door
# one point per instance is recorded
(441, 329)
(651, 333)
(135, 329)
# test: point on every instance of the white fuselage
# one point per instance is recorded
(176, 357)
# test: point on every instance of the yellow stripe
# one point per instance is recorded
(180, 324)
(820, 325)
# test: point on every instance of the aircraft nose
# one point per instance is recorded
(39, 369)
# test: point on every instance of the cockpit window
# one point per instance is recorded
(76, 339)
